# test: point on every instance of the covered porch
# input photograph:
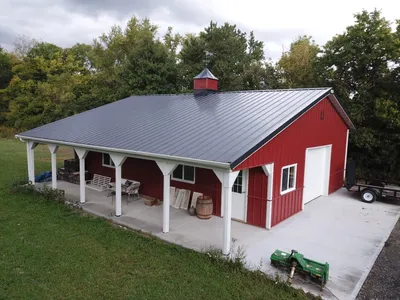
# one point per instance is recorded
(155, 220)
(188, 231)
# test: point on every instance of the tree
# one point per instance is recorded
(5, 69)
(233, 54)
(361, 66)
(297, 67)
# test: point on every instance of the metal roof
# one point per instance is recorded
(223, 127)
(206, 73)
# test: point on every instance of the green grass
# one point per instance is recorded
(49, 251)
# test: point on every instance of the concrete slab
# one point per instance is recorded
(338, 229)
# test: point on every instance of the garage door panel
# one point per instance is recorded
(316, 172)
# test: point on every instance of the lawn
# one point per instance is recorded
(49, 251)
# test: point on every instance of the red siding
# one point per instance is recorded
(289, 146)
(145, 171)
(205, 84)
(151, 179)
(257, 197)
(207, 183)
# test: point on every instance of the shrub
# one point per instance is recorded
(23, 186)
(7, 132)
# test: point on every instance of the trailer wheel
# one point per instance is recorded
(368, 196)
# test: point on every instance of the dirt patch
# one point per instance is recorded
(383, 282)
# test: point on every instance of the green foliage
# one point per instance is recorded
(5, 69)
(41, 82)
(237, 59)
(23, 187)
(297, 66)
(360, 64)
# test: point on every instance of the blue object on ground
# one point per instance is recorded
(45, 176)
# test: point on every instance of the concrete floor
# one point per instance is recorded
(338, 229)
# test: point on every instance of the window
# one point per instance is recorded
(183, 173)
(238, 184)
(107, 161)
(288, 180)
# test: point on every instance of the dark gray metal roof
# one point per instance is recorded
(206, 73)
(222, 127)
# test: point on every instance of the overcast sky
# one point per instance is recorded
(65, 22)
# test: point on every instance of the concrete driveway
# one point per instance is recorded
(338, 229)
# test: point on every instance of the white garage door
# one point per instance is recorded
(316, 173)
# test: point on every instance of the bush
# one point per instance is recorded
(23, 186)
(7, 132)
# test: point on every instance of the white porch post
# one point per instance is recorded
(166, 168)
(53, 150)
(220, 175)
(30, 154)
(118, 160)
(269, 171)
(82, 184)
(228, 180)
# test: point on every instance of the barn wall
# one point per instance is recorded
(151, 179)
(321, 125)
(207, 183)
(145, 171)
(257, 197)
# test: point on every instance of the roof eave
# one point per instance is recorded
(136, 154)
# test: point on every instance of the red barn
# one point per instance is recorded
(260, 155)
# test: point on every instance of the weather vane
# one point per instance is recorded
(208, 54)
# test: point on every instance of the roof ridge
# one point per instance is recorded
(243, 91)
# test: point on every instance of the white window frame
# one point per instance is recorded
(183, 175)
(105, 165)
(294, 182)
(245, 180)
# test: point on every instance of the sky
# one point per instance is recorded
(276, 23)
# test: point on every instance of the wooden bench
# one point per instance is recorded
(98, 183)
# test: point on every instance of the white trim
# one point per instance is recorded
(246, 192)
(53, 153)
(166, 169)
(102, 161)
(136, 154)
(328, 159)
(117, 159)
(183, 175)
(220, 176)
(229, 179)
(269, 171)
(345, 155)
(295, 179)
(181, 180)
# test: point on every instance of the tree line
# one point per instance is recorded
(41, 82)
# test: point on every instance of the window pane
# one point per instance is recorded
(178, 172)
(188, 173)
(285, 179)
(106, 159)
(238, 185)
(292, 175)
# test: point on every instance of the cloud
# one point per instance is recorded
(180, 10)
(66, 22)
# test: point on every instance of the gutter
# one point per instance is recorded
(137, 154)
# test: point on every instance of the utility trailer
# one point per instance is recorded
(370, 189)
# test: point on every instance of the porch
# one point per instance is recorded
(188, 231)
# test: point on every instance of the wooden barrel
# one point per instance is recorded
(204, 207)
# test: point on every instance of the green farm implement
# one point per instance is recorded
(295, 261)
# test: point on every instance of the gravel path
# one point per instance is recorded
(383, 282)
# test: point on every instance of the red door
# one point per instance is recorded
(257, 197)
